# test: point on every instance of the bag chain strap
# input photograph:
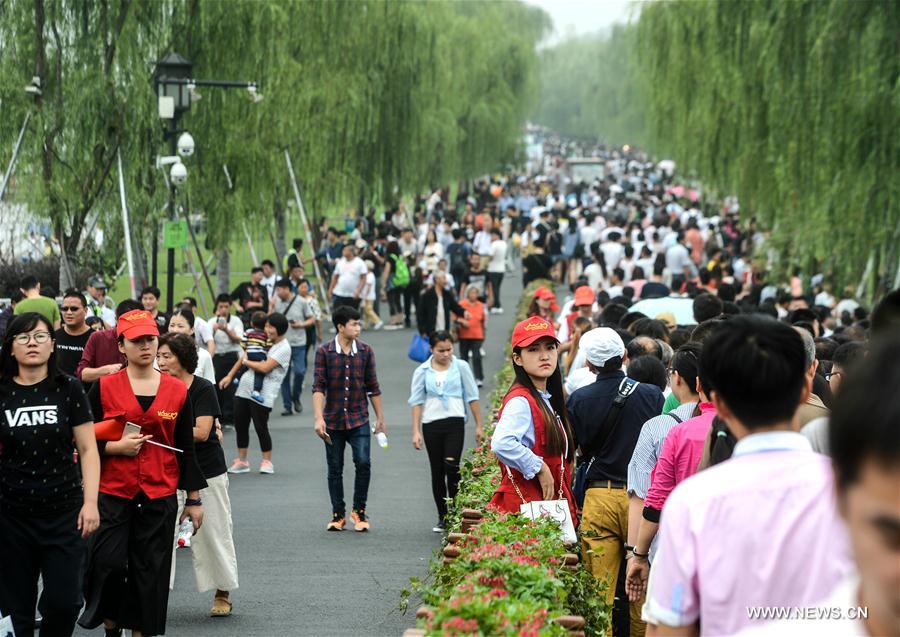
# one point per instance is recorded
(562, 469)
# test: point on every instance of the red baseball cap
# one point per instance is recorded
(584, 295)
(135, 324)
(547, 294)
(530, 330)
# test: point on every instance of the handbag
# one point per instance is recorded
(556, 509)
(419, 349)
(626, 388)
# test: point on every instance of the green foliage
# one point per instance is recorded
(371, 96)
(587, 88)
(795, 107)
(509, 577)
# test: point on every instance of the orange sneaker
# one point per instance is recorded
(360, 521)
(338, 521)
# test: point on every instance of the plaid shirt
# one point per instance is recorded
(346, 380)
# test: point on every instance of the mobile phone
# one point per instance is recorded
(327, 439)
(131, 428)
(221, 320)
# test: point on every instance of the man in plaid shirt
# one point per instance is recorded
(344, 377)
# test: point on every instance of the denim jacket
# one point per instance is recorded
(460, 383)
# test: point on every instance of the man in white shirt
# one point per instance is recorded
(481, 245)
(227, 330)
(612, 249)
(269, 278)
(348, 279)
(678, 259)
(496, 268)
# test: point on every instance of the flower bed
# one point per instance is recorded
(504, 574)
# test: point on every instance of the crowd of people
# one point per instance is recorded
(685, 442)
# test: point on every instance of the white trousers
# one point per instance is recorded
(215, 562)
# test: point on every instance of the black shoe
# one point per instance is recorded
(286, 412)
(439, 527)
(298, 407)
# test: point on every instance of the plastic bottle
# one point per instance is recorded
(185, 532)
(381, 437)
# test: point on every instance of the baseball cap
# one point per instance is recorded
(584, 295)
(531, 329)
(96, 282)
(547, 294)
(601, 344)
(135, 324)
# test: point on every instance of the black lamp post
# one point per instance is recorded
(174, 97)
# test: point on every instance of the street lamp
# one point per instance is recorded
(175, 89)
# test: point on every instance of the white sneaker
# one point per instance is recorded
(239, 466)
(378, 325)
(482, 352)
(266, 466)
(499, 310)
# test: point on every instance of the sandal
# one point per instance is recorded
(221, 607)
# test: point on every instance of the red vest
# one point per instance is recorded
(154, 470)
(506, 498)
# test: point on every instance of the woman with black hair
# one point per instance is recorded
(212, 548)
(47, 506)
(182, 322)
(127, 582)
(533, 439)
(440, 389)
(275, 367)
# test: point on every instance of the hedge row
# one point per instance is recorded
(504, 574)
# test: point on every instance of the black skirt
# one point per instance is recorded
(129, 561)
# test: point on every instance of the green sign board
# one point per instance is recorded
(175, 234)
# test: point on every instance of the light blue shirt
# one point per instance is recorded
(514, 437)
(459, 384)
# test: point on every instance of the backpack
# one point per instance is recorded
(459, 254)
(400, 277)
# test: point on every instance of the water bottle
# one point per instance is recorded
(381, 437)
(185, 532)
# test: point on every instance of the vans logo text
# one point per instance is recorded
(32, 416)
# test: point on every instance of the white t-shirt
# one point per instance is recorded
(349, 274)
(225, 345)
(205, 366)
(369, 290)
(594, 274)
(498, 256)
(271, 389)
(433, 409)
(612, 254)
(202, 333)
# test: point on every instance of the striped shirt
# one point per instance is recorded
(649, 446)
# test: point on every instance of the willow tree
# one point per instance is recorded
(588, 87)
(794, 106)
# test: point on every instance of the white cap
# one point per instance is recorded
(601, 344)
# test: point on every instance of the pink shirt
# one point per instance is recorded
(680, 456)
(761, 529)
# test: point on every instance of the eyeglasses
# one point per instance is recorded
(830, 374)
(39, 338)
(70, 308)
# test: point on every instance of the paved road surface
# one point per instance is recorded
(295, 578)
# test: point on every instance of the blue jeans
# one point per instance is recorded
(297, 371)
(359, 440)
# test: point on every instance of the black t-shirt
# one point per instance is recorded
(162, 322)
(210, 457)
(246, 292)
(38, 473)
(69, 350)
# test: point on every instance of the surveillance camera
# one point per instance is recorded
(185, 145)
(178, 174)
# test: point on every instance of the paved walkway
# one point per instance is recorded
(296, 579)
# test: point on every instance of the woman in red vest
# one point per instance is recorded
(533, 439)
(127, 581)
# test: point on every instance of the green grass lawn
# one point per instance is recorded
(241, 263)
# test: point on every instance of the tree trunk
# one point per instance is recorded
(280, 232)
(223, 271)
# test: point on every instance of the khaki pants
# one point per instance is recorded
(604, 525)
(369, 313)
